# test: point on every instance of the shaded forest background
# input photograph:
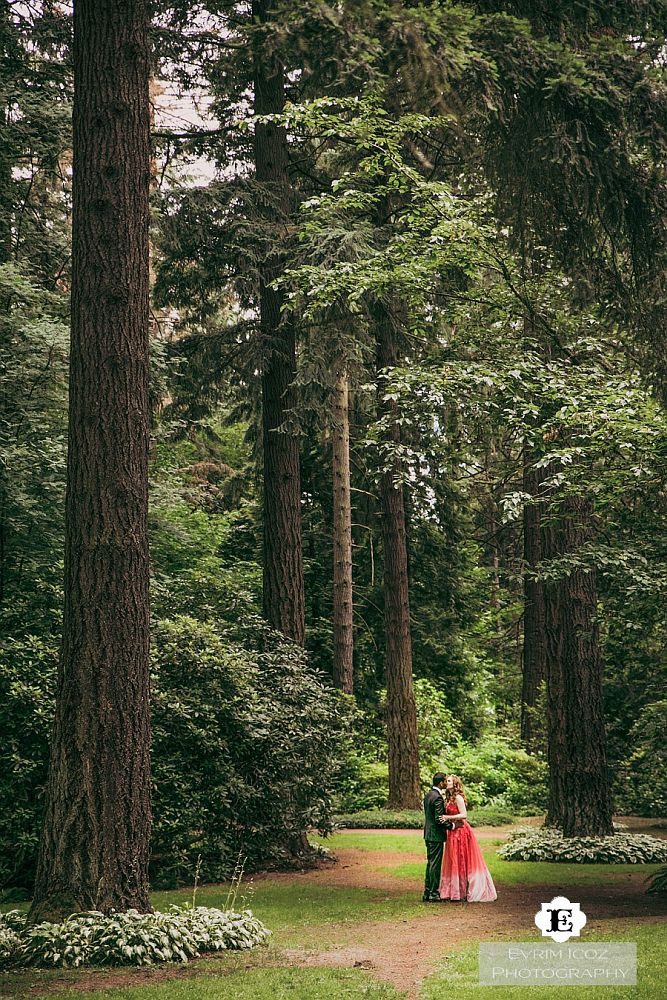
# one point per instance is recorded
(464, 240)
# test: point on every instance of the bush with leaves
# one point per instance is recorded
(494, 772)
(129, 938)
(413, 819)
(27, 688)
(547, 844)
(645, 791)
(248, 743)
(10, 947)
(658, 881)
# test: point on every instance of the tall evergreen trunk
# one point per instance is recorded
(534, 648)
(579, 789)
(8, 64)
(95, 840)
(283, 585)
(9, 67)
(342, 542)
(404, 780)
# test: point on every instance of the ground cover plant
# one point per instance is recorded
(387, 819)
(546, 844)
(178, 934)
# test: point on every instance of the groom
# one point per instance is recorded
(435, 835)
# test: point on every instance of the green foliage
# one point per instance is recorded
(436, 725)
(386, 819)
(27, 690)
(645, 790)
(33, 399)
(128, 938)
(380, 819)
(247, 747)
(10, 947)
(494, 772)
(549, 845)
(658, 882)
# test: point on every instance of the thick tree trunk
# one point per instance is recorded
(579, 791)
(342, 542)
(404, 779)
(95, 842)
(9, 65)
(283, 589)
(534, 649)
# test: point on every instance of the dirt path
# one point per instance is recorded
(400, 951)
(404, 952)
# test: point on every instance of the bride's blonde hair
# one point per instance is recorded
(456, 789)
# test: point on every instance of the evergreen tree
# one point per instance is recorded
(95, 841)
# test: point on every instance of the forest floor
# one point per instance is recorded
(355, 927)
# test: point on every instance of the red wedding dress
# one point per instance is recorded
(464, 871)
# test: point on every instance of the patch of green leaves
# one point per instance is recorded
(551, 845)
(129, 938)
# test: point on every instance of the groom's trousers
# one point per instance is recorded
(434, 852)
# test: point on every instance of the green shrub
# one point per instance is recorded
(10, 947)
(493, 771)
(27, 687)
(365, 786)
(496, 773)
(413, 819)
(129, 938)
(246, 748)
(645, 791)
(658, 881)
(437, 728)
(550, 845)
(248, 743)
(380, 819)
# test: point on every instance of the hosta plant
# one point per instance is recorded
(10, 947)
(658, 881)
(128, 938)
(550, 845)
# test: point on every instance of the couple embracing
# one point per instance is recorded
(455, 867)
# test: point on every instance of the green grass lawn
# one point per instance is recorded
(298, 913)
(541, 872)
(252, 984)
(504, 872)
(316, 916)
(459, 974)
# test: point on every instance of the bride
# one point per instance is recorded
(464, 871)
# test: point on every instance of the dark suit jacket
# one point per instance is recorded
(434, 806)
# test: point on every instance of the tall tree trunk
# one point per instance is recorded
(534, 648)
(283, 587)
(342, 542)
(404, 780)
(95, 841)
(579, 789)
(9, 67)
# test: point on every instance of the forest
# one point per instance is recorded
(333, 440)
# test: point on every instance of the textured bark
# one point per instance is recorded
(95, 842)
(579, 789)
(8, 66)
(404, 779)
(534, 648)
(283, 586)
(343, 647)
